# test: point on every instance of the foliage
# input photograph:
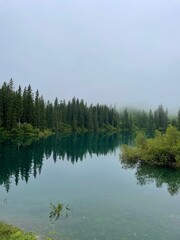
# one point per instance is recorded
(8, 232)
(23, 112)
(129, 153)
(58, 210)
(28, 110)
(163, 149)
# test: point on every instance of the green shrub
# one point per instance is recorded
(163, 149)
(8, 232)
(130, 153)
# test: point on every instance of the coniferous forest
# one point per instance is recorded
(23, 111)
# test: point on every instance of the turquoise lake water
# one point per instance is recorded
(108, 200)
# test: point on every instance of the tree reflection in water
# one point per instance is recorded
(146, 174)
(22, 159)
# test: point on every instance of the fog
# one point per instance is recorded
(114, 52)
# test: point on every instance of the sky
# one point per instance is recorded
(119, 52)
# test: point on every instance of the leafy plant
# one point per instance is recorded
(57, 211)
(163, 149)
(8, 232)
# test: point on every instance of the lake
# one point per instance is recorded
(108, 199)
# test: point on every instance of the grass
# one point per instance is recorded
(8, 232)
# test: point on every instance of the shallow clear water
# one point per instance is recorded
(108, 199)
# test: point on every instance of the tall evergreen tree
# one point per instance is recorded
(19, 106)
(28, 115)
(42, 113)
(30, 105)
(89, 119)
(37, 110)
(150, 127)
(55, 114)
(49, 115)
(161, 118)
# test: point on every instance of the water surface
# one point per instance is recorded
(108, 198)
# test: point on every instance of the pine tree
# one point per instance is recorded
(89, 122)
(55, 114)
(19, 106)
(161, 118)
(150, 127)
(126, 121)
(37, 110)
(49, 115)
(28, 115)
(30, 105)
(42, 113)
(95, 118)
(74, 114)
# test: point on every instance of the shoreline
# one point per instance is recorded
(11, 232)
(8, 231)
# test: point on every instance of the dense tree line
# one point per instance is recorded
(22, 108)
(19, 107)
(135, 120)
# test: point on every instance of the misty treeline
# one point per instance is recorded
(22, 107)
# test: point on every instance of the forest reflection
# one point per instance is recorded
(20, 160)
(146, 174)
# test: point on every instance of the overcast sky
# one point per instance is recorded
(123, 52)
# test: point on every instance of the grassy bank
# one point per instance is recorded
(27, 131)
(24, 131)
(8, 232)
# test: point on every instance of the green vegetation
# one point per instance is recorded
(23, 113)
(25, 131)
(8, 232)
(136, 120)
(26, 114)
(57, 211)
(163, 149)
